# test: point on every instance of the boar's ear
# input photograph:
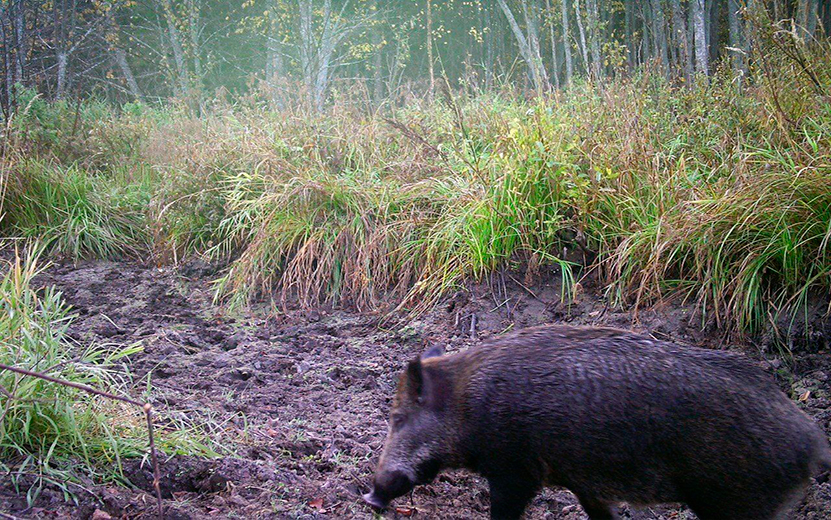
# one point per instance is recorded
(434, 351)
(427, 386)
(415, 379)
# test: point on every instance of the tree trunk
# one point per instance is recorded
(378, 61)
(529, 53)
(63, 65)
(430, 48)
(629, 22)
(306, 45)
(555, 74)
(8, 68)
(806, 17)
(691, 31)
(324, 58)
(813, 18)
(274, 51)
(778, 10)
(713, 30)
(567, 43)
(736, 39)
(532, 24)
(176, 47)
(582, 31)
(646, 32)
(120, 57)
(594, 37)
(702, 65)
(679, 27)
(658, 25)
(194, 8)
(21, 51)
(489, 48)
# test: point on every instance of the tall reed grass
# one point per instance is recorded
(719, 192)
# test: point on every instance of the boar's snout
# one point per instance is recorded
(387, 487)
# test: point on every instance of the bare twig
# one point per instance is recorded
(146, 407)
(416, 137)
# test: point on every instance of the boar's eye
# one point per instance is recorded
(397, 420)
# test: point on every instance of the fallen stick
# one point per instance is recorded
(146, 407)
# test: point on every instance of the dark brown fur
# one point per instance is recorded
(611, 415)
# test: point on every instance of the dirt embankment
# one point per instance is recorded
(299, 399)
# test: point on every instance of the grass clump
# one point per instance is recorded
(47, 429)
(71, 211)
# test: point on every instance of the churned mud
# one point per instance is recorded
(299, 398)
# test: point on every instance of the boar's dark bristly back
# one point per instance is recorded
(611, 415)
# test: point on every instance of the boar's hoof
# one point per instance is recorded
(372, 499)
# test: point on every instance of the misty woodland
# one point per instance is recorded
(313, 259)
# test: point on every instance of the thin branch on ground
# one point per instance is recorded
(147, 408)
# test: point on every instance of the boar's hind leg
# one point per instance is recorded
(510, 496)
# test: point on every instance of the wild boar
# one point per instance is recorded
(611, 415)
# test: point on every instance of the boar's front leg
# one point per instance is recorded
(510, 495)
(596, 509)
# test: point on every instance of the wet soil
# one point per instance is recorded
(299, 398)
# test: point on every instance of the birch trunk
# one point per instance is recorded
(306, 45)
(582, 32)
(62, 58)
(533, 61)
(195, 6)
(176, 47)
(120, 58)
(325, 53)
(489, 48)
(702, 65)
(378, 61)
(567, 43)
(594, 37)
(555, 75)
(430, 48)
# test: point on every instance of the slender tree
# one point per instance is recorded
(528, 43)
(658, 26)
(629, 30)
(594, 36)
(679, 28)
(806, 17)
(567, 43)
(554, 66)
(702, 65)
(736, 39)
(582, 31)
(430, 48)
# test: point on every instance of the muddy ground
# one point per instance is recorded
(299, 398)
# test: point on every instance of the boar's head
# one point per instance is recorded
(420, 439)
